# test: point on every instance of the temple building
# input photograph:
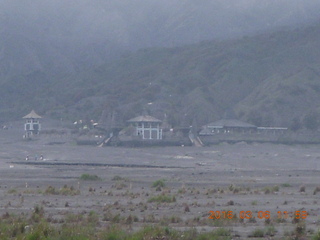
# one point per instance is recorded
(32, 124)
(147, 127)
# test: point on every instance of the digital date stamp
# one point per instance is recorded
(257, 214)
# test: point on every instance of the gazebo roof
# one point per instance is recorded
(145, 118)
(32, 114)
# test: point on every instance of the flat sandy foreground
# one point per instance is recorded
(239, 177)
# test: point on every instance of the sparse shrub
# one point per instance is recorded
(69, 191)
(302, 188)
(12, 191)
(316, 236)
(267, 221)
(174, 219)
(182, 191)
(38, 210)
(120, 185)
(220, 232)
(270, 230)
(281, 220)
(268, 190)
(162, 198)
(158, 183)
(275, 188)
(107, 216)
(254, 203)
(230, 203)
(236, 190)
(74, 218)
(50, 190)
(117, 178)
(285, 185)
(88, 177)
(316, 190)
(129, 219)
(37, 214)
(300, 229)
(93, 218)
(186, 208)
(257, 233)
(65, 190)
(116, 218)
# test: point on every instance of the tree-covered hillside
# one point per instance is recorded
(269, 79)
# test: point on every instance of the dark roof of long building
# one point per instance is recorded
(230, 123)
(145, 118)
(32, 114)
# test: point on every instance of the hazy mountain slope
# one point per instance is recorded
(43, 42)
(267, 80)
(63, 36)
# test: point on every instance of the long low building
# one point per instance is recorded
(272, 130)
(227, 126)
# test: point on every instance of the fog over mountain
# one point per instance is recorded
(142, 23)
(68, 35)
(45, 41)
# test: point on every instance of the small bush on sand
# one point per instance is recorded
(118, 178)
(68, 191)
(162, 198)
(316, 236)
(51, 190)
(65, 190)
(257, 233)
(268, 190)
(316, 190)
(158, 183)
(88, 177)
(270, 230)
(285, 185)
(302, 188)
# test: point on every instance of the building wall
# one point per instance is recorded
(148, 131)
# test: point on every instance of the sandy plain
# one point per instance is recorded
(224, 177)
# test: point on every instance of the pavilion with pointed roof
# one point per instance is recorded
(147, 127)
(32, 124)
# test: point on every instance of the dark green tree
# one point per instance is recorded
(311, 121)
(295, 124)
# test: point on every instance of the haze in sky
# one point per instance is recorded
(145, 23)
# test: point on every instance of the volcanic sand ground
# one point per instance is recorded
(202, 178)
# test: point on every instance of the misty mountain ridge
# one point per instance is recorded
(59, 37)
(65, 62)
(268, 80)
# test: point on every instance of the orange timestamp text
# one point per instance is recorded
(258, 214)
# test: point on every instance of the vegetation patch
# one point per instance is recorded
(65, 190)
(162, 198)
(272, 189)
(118, 178)
(257, 233)
(286, 185)
(89, 177)
(159, 183)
